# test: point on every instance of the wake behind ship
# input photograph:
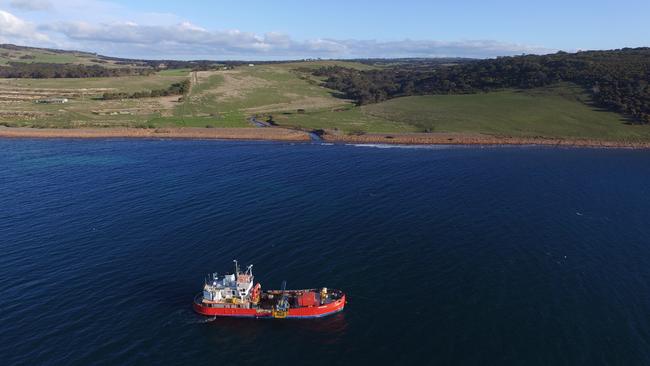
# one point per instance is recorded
(236, 295)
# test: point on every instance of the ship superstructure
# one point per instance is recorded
(232, 289)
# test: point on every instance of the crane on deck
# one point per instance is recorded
(282, 307)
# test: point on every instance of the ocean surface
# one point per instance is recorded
(449, 255)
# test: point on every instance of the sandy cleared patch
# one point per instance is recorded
(234, 85)
(167, 104)
(200, 76)
(23, 115)
(279, 134)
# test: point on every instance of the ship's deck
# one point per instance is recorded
(270, 298)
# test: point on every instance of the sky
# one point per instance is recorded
(290, 29)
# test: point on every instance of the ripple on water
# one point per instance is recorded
(460, 255)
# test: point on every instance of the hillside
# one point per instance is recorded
(324, 95)
(33, 62)
(618, 80)
(19, 54)
(222, 97)
(560, 111)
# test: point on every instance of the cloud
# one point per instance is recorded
(432, 48)
(183, 37)
(187, 39)
(31, 5)
(12, 27)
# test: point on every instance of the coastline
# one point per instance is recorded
(477, 139)
(283, 134)
(277, 134)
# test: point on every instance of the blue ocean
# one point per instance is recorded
(448, 255)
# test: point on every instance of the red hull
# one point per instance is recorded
(301, 312)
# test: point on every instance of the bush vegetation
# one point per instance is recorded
(175, 89)
(618, 80)
(20, 70)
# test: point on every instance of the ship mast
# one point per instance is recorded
(236, 268)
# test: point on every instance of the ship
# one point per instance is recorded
(237, 295)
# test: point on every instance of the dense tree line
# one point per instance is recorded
(412, 62)
(618, 80)
(195, 65)
(51, 70)
(175, 89)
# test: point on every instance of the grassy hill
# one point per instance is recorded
(296, 98)
(562, 110)
(227, 98)
(218, 98)
(11, 53)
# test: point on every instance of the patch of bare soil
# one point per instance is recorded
(167, 105)
(236, 85)
(145, 106)
(279, 134)
(23, 115)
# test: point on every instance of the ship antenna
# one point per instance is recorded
(236, 267)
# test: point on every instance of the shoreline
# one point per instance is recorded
(275, 134)
(284, 134)
(478, 139)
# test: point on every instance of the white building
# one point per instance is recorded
(52, 101)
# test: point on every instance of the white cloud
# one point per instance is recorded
(12, 27)
(31, 5)
(432, 48)
(187, 40)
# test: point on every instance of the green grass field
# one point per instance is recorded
(231, 96)
(348, 119)
(559, 111)
(233, 119)
(122, 84)
(226, 98)
(87, 111)
(175, 72)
